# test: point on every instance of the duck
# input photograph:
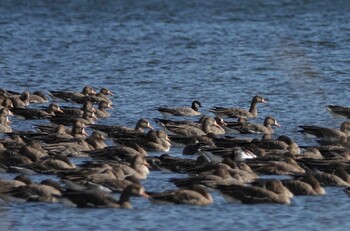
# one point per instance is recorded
(325, 133)
(68, 95)
(31, 113)
(238, 112)
(74, 111)
(182, 111)
(194, 195)
(273, 192)
(100, 199)
(265, 128)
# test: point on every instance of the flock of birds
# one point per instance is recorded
(221, 159)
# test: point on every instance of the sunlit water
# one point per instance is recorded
(154, 53)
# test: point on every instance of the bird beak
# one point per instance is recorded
(263, 101)
(84, 132)
(60, 110)
(277, 124)
(146, 164)
(10, 113)
(149, 126)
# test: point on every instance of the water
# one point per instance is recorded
(154, 53)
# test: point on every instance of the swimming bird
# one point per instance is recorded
(265, 128)
(194, 195)
(101, 111)
(238, 112)
(325, 133)
(182, 111)
(20, 101)
(306, 185)
(337, 110)
(208, 125)
(4, 124)
(99, 199)
(38, 97)
(67, 95)
(32, 113)
(115, 129)
(273, 192)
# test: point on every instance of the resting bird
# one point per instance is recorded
(327, 133)
(182, 111)
(100, 199)
(194, 195)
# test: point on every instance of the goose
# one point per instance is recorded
(88, 117)
(152, 141)
(73, 111)
(265, 128)
(8, 185)
(41, 192)
(208, 126)
(21, 101)
(4, 124)
(101, 111)
(68, 95)
(279, 167)
(6, 103)
(337, 110)
(181, 111)
(96, 140)
(194, 195)
(325, 133)
(31, 113)
(102, 95)
(238, 112)
(220, 176)
(38, 97)
(274, 192)
(307, 185)
(99, 199)
(112, 129)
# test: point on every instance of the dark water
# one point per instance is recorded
(152, 53)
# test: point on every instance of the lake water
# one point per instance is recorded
(153, 53)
